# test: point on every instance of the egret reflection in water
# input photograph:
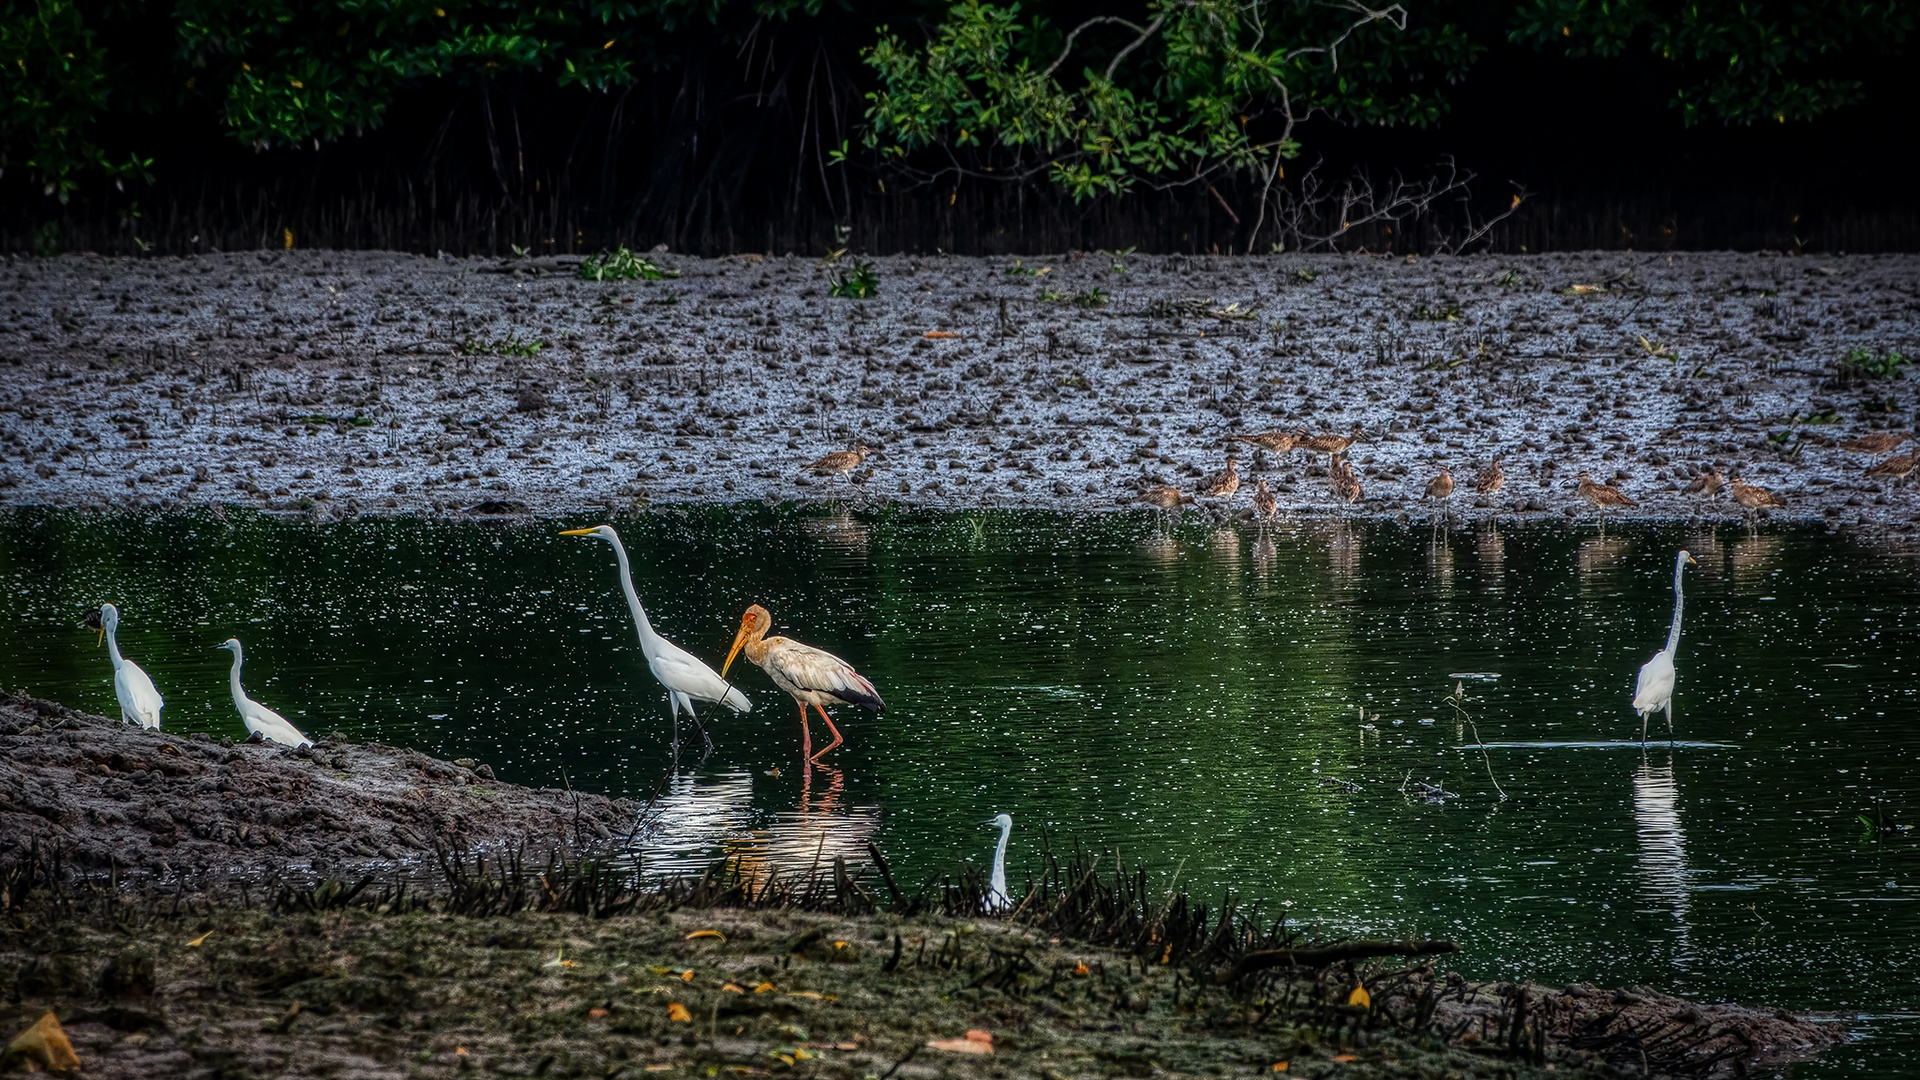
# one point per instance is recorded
(700, 820)
(1662, 858)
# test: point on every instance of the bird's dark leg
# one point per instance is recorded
(1643, 729)
(837, 740)
(1669, 723)
(806, 737)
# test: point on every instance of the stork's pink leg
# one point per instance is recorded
(837, 739)
(806, 737)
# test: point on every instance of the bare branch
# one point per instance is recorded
(1068, 47)
(1144, 35)
(1394, 14)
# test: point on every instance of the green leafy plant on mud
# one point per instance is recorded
(1868, 364)
(857, 282)
(623, 265)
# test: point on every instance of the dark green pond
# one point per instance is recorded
(1194, 702)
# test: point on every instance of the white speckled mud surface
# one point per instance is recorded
(363, 383)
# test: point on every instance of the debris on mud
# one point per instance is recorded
(342, 383)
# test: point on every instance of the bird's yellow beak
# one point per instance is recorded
(99, 636)
(576, 532)
(1693, 560)
(739, 640)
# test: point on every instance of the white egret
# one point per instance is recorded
(259, 719)
(687, 679)
(813, 676)
(140, 703)
(997, 898)
(1654, 691)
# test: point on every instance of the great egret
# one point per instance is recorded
(687, 679)
(813, 676)
(997, 898)
(1653, 692)
(259, 719)
(140, 703)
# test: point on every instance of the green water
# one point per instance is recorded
(1192, 701)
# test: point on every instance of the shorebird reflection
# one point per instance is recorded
(1662, 860)
(838, 531)
(704, 819)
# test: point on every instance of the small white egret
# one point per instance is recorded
(813, 676)
(1654, 691)
(140, 703)
(997, 898)
(259, 719)
(687, 679)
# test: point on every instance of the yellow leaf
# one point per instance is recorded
(765, 988)
(838, 945)
(801, 1055)
(1360, 997)
(460, 1051)
(596, 1013)
(1279, 1066)
(697, 934)
(286, 238)
(687, 975)
(805, 994)
(1081, 968)
(678, 1013)
(608, 45)
(661, 969)
(44, 1046)
(1344, 1058)
(195, 943)
(297, 84)
(733, 988)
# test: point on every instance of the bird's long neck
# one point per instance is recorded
(648, 639)
(1673, 635)
(113, 646)
(233, 683)
(999, 883)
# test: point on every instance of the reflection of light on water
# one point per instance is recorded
(1663, 846)
(702, 820)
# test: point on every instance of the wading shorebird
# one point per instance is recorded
(1754, 498)
(1879, 442)
(1265, 506)
(259, 719)
(1653, 690)
(140, 703)
(1603, 496)
(1440, 489)
(1165, 497)
(1330, 444)
(1491, 479)
(686, 678)
(1346, 486)
(840, 462)
(1709, 483)
(1223, 484)
(812, 676)
(1897, 467)
(1273, 442)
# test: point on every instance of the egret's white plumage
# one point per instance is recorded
(140, 703)
(813, 676)
(1653, 692)
(997, 898)
(687, 679)
(259, 719)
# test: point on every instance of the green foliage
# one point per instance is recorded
(1205, 85)
(54, 85)
(857, 283)
(1865, 363)
(623, 265)
(1739, 60)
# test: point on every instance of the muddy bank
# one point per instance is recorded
(108, 797)
(351, 383)
(158, 989)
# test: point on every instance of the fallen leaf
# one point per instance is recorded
(706, 934)
(596, 1013)
(560, 960)
(801, 1055)
(1279, 1066)
(838, 945)
(658, 1068)
(661, 970)
(678, 1013)
(936, 334)
(195, 943)
(976, 1042)
(44, 1046)
(733, 988)
(1344, 1058)
(765, 988)
(687, 975)
(814, 994)
(460, 1051)
(1081, 968)
(1360, 997)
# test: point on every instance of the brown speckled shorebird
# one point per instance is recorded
(1709, 483)
(1164, 497)
(1878, 442)
(1223, 484)
(1329, 444)
(1273, 442)
(840, 462)
(1346, 486)
(1265, 506)
(1897, 467)
(1754, 498)
(1491, 479)
(1603, 497)
(1440, 489)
